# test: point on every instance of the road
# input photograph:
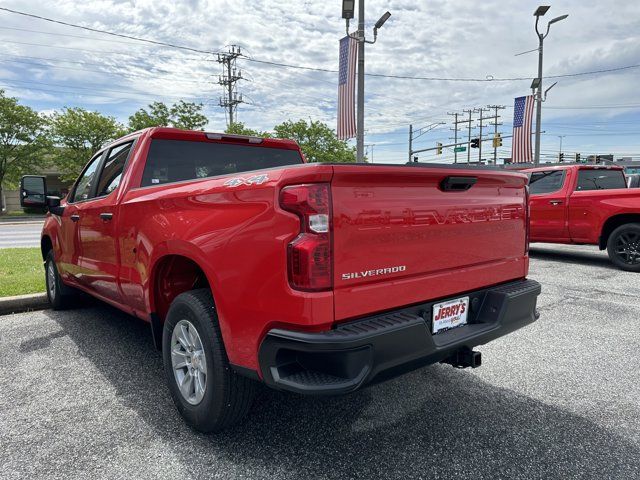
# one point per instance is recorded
(83, 396)
(20, 234)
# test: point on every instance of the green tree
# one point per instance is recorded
(239, 128)
(23, 141)
(317, 141)
(157, 116)
(78, 134)
(188, 115)
(185, 115)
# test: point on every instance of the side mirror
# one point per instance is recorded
(53, 204)
(33, 191)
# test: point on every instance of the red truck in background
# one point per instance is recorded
(251, 265)
(587, 204)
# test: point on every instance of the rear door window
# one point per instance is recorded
(596, 179)
(113, 168)
(177, 160)
(546, 182)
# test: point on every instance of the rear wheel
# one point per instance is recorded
(623, 247)
(206, 391)
(60, 295)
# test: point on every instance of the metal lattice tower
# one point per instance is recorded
(230, 76)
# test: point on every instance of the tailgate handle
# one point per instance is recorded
(457, 184)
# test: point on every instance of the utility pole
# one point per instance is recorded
(230, 76)
(481, 112)
(455, 134)
(367, 147)
(414, 134)
(560, 157)
(470, 111)
(495, 127)
(410, 141)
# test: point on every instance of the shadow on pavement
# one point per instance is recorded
(580, 258)
(437, 422)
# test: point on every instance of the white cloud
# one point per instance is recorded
(440, 38)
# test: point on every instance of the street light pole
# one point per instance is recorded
(536, 160)
(540, 11)
(347, 14)
(360, 104)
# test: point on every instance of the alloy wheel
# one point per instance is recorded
(189, 362)
(627, 248)
(51, 279)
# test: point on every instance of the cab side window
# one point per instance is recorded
(597, 179)
(546, 182)
(113, 168)
(86, 181)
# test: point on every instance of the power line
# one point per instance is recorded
(90, 94)
(91, 89)
(488, 78)
(88, 50)
(84, 37)
(154, 71)
(103, 72)
(105, 32)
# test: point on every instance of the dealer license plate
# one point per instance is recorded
(450, 314)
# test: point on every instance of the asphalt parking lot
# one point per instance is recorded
(83, 396)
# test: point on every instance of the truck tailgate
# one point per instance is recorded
(400, 238)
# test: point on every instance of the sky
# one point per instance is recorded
(49, 66)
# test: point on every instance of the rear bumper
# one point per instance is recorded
(382, 346)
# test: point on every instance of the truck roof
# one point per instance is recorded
(198, 135)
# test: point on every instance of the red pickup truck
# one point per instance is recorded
(250, 264)
(587, 204)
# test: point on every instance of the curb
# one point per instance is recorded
(29, 221)
(25, 219)
(23, 303)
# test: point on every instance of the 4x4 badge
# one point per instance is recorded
(254, 180)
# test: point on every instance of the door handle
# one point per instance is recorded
(555, 202)
(106, 216)
(75, 217)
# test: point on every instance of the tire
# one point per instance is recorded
(60, 296)
(623, 247)
(216, 398)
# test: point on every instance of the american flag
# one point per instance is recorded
(521, 142)
(346, 88)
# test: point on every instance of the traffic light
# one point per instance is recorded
(561, 156)
(497, 140)
(475, 142)
(438, 148)
(577, 159)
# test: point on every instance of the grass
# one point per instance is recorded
(21, 271)
(22, 213)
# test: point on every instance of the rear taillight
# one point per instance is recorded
(309, 254)
(527, 218)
